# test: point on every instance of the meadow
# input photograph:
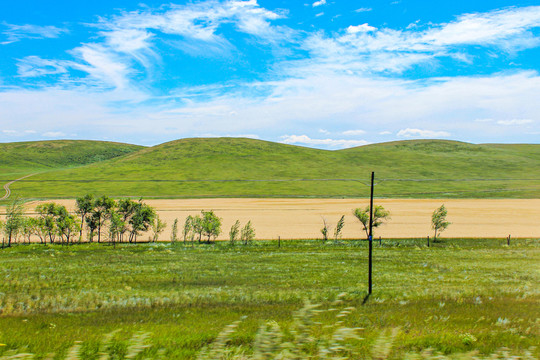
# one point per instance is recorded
(457, 296)
(231, 167)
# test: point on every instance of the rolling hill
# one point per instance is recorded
(35, 156)
(233, 167)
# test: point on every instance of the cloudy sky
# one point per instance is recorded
(327, 74)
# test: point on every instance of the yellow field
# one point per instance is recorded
(302, 218)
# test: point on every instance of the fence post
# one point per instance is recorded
(508, 240)
(279, 241)
(380, 241)
(428, 241)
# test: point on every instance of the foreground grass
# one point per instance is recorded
(454, 297)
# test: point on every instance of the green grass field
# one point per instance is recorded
(457, 296)
(225, 167)
(22, 158)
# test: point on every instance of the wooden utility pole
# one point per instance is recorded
(370, 261)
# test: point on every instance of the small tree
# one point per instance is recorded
(325, 230)
(47, 215)
(211, 225)
(157, 227)
(103, 207)
(438, 220)
(339, 227)
(188, 229)
(66, 224)
(92, 225)
(197, 226)
(84, 206)
(28, 228)
(142, 219)
(117, 227)
(126, 209)
(235, 230)
(14, 220)
(380, 214)
(247, 234)
(174, 231)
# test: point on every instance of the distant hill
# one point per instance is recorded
(231, 167)
(35, 156)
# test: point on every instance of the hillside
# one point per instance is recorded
(246, 167)
(29, 157)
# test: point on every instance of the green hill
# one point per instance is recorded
(22, 158)
(246, 167)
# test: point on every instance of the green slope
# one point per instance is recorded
(221, 166)
(36, 156)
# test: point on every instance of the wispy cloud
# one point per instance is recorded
(54, 134)
(319, 3)
(331, 143)
(508, 30)
(353, 132)
(14, 33)
(422, 133)
(363, 9)
(515, 122)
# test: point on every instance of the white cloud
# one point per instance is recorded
(360, 28)
(413, 133)
(366, 48)
(53, 134)
(16, 33)
(9, 132)
(319, 14)
(34, 66)
(319, 3)
(515, 122)
(385, 133)
(364, 9)
(331, 143)
(353, 132)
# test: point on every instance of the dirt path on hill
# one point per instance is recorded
(8, 190)
(302, 218)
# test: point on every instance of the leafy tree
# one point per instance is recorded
(438, 220)
(103, 207)
(339, 227)
(380, 214)
(142, 219)
(28, 228)
(197, 225)
(47, 215)
(39, 229)
(247, 234)
(126, 208)
(84, 207)
(157, 227)
(188, 229)
(14, 220)
(325, 230)
(235, 230)
(92, 225)
(66, 224)
(174, 231)
(211, 225)
(116, 227)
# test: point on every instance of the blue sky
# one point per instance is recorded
(328, 74)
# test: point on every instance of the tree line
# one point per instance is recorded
(100, 219)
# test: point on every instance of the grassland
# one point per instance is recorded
(457, 296)
(252, 168)
(22, 158)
